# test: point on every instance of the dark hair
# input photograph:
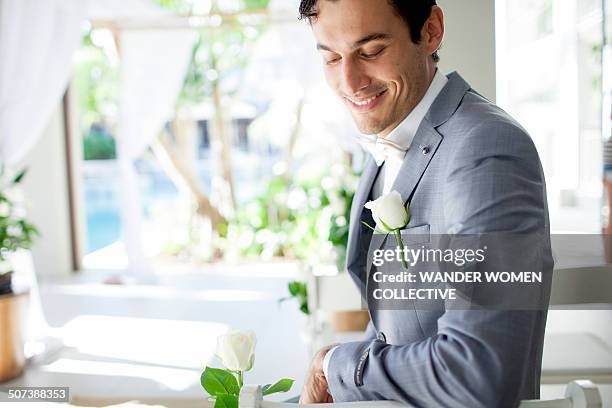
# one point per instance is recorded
(414, 12)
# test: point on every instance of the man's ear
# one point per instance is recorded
(433, 30)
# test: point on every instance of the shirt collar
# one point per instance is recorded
(403, 134)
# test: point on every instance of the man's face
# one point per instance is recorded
(371, 62)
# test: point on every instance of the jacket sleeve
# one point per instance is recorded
(477, 358)
(370, 332)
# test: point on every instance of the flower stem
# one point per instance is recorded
(398, 236)
(239, 379)
(373, 229)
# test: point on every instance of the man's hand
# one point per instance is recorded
(315, 386)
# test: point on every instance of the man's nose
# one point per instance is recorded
(354, 79)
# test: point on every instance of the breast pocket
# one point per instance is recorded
(416, 235)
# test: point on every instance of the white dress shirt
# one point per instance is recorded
(401, 136)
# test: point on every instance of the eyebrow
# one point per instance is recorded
(360, 42)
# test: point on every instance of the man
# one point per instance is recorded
(465, 167)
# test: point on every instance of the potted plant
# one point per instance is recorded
(15, 233)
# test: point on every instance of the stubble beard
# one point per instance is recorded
(383, 125)
(369, 126)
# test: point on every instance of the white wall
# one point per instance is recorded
(46, 194)
(469, 43)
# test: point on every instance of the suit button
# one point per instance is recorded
(381, 336)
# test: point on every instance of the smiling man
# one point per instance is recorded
(370, 60)
(465, 167)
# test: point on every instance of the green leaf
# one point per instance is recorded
(299, 290)
(304, 308)
(20, 176)
(407, 206)
(294, 288)
(226, 401)
(283, 385)
(219, 382)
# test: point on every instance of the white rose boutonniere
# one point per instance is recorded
(390, 213)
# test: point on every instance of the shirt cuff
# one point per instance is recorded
(326, 360)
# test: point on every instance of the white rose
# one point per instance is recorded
(389, 211)
(236, 350)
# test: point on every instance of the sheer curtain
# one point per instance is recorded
(153, 67)
(37, 41)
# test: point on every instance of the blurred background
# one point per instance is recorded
(189, 171)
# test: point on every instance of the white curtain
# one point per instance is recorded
(153, 68)
(37, 41)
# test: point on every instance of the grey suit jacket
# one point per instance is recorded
(470, 169)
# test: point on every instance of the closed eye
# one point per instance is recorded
(372, 54)
(332, 61)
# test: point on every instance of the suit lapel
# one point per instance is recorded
(357, 210)
(427, 138)
(420, 153)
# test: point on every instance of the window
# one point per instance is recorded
(550, 79)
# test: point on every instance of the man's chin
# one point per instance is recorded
(369, 128)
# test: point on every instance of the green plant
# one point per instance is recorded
(306, 220)
(299, 291)
(98, 145)
(15, 231)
